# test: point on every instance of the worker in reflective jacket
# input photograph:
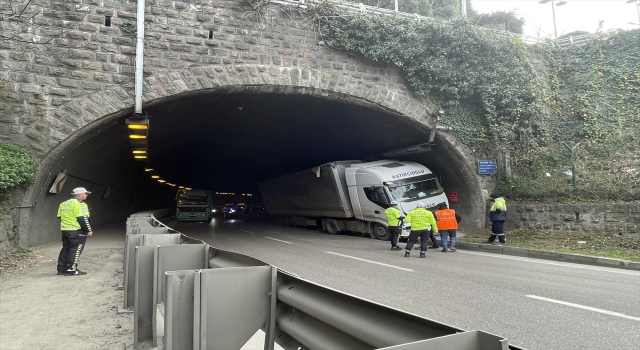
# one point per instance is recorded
(448, 221)
(497, 215)
(422, 221)
(75, 227)
(394, 217)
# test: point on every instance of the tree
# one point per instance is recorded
(501, 20)
(428, 8)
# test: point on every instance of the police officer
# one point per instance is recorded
(422, 221)
(76, 227)
(447, 220)
(394, 216)
(497, 215)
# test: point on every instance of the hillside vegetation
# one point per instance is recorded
(533, 102)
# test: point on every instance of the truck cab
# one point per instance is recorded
(372, 186)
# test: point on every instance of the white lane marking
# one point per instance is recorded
(371, 261)
(251, 233)
(577, 266)
(612, 313)
(279, 240)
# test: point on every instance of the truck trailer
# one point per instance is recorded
(351, 195)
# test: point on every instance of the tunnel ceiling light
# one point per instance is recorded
(148, 169)
(187, 188)
(137, 136)
(180, 186)
(162, 181)
(138, 127)
(155, 176)
(140, 157)
(139, 151)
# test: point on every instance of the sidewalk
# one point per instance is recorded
(41, 310)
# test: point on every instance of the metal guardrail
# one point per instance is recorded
(216, 299)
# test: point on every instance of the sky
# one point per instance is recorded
(575, 15)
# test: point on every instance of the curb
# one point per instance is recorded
(550, 255)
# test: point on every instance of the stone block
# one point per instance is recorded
(490, 248)
(112, 3)
(634, 265)
(194, 40)
(578, 258)
(543, 254)
(515, 251)
(608, 262)
(468, 246)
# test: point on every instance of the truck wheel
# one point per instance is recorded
(381, 232)
(293, 221)
(331, 227)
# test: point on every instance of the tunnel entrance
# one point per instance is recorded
(228, 140)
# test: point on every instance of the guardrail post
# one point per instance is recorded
(179, 310)
(234, 304)
(145, 297)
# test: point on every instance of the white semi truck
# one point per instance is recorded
(351, 195)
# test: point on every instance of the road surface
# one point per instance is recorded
(536, 304)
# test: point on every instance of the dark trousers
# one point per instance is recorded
(394, 232)
(413, 238)
(73, 243)
(497, 229)
(432, 236)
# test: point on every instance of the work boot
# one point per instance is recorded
(453, 249)
(407, 253)
(74, 273)
(444, 250)
(423, 254)
(396, 248)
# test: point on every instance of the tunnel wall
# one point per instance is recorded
(44, 102)
(48, 107)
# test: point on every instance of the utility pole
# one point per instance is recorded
(574, 181)
(463, 8)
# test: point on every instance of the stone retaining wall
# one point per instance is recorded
(609, 218)
(8, 236)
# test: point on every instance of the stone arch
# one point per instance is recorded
(63, 129)
(62, 123)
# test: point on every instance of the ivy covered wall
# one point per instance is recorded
(500, 96)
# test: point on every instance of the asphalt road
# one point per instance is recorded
(536, 304)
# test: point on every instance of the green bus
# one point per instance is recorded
(194, 205)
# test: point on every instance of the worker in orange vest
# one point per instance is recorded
(447, 221)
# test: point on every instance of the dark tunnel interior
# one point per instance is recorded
(227, 142)
(230, 142)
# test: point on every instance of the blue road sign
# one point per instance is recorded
(487, 167)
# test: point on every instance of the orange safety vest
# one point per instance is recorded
(446, 219)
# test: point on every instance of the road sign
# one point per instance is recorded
(487, 167)
(57, 185)
(452, 196)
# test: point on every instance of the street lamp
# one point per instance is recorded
(637, 2)
(553, 10)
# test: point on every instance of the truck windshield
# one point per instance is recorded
(407, 190)
(189, 200)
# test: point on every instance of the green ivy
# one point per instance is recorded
(500, 95)
(17, 171)
(129, 27)
(480, 78)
